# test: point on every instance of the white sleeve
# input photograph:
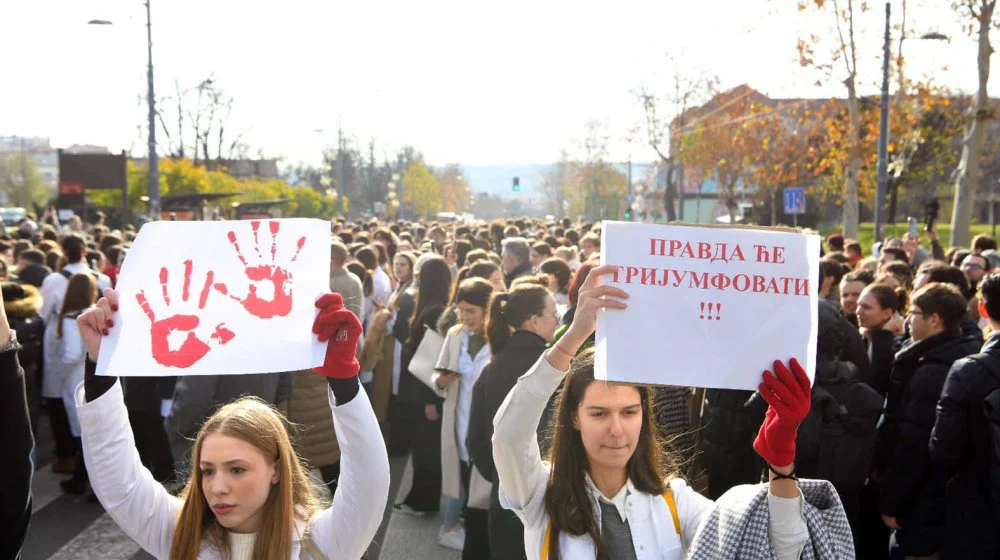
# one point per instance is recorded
(73, 351)
(383, 289)
(50, 294)
(515, 443)
(345, 529)
(143, 509)
(787, 526)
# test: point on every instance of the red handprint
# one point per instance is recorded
(193, 348)
(280, 303)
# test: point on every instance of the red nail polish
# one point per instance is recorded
(114, 308)
(110, 323)
(105, 331)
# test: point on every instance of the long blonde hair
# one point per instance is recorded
(293, 498)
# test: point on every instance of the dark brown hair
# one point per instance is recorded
(945, 300)
(888, 297)
(433, 286)
(474, 291)
(558, 269)
(567, 500)
(81, 293)
(509, 310)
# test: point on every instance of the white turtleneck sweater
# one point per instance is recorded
(242, 545)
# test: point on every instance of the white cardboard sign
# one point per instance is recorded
(708, 307)
(219, 298)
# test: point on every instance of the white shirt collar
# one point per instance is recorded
(618, 501)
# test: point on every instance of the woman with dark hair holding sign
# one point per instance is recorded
(249, 495)
(605, 492)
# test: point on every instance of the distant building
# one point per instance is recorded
(39, 150)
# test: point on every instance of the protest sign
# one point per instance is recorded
(219, 298)
(708, 307)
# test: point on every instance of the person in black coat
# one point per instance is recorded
(519, 327)
(912, 492)
(433, 289)
(960, 443)
(16, 469)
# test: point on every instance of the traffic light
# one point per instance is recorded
(628, 213)
(517, 184)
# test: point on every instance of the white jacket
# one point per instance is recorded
(148, 513)
(449, 360)
(64, 366)
(524, 480)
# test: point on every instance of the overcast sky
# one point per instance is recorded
(466, 82)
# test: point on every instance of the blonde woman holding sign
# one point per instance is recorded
(249, 495)
(604, 491)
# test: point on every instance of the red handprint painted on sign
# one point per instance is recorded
(193, 348)
(271, 273)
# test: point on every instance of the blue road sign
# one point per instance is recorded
(795, 200)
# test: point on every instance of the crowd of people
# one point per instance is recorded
(468, 348)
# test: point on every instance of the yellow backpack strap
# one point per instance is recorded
(669, 497)
(545, 541)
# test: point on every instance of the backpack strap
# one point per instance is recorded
(668, 496)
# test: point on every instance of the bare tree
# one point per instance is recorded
(969, 172)
(846, 51)
(664, 136)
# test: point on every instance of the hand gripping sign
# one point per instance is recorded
(708, 307)
(217, 298)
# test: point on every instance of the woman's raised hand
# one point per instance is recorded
(594, 297)
(95, 322)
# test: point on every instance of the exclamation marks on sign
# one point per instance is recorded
(711, 311)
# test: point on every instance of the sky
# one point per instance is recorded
(473, 83)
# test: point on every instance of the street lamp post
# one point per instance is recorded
(883, 132)
(153, 166)
(883, 135)
(154, 162)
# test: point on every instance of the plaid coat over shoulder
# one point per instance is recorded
(738, 526)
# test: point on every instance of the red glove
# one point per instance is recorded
(341, 328)
(789, 398)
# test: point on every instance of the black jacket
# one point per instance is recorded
(729, 424)
(521, 270)
(960, 445)
(881, 353)
(912, 490)
(411, 389)
(404, 312)
(22, 305)
(521, 352)
(16, 468)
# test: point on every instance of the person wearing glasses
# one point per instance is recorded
(911, 497)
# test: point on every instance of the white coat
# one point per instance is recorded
(524, 480)
(148, 513)
(451, 481)
(64, 366)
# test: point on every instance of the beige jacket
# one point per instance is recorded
(451, 481)
(309, 410)
(349, 287)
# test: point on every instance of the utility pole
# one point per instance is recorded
(883, 135)
(154, 164)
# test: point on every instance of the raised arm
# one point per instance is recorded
(515, 445)
(345, 529)
(15, 508)
(132, 497)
